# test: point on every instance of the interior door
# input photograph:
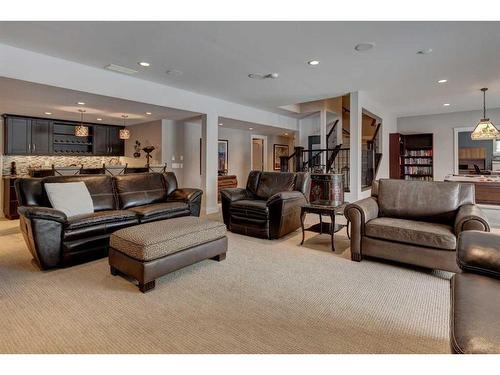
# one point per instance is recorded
(257, 154)
(18, 136)
(41, 137)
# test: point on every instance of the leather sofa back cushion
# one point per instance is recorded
(30, 192)
(140, 189)
(253, 181)
(100, 189)
(170, 182)
(271, 183)
(419, 200)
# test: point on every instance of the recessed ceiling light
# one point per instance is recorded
(424, 51)
(174, 72)
(148, 113)
(48, 113)
(313, 62)
(446, 104)
(99, 119)
(286, 134)
(442, 81)
(80, 103)
(220, 124)
(250, 128)
(144, 63)
(361, 47)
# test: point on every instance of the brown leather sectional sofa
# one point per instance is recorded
(119, 201)
(269, 206)
(475, 295)
(414, 222)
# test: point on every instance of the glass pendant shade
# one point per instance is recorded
(485, 130)
(124, 134)
(82, 131)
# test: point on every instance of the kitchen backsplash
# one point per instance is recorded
(23, 163)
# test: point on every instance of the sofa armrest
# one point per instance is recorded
(190, 196)
(45, 213)
(285, 195)
(479, 252)
(235, 194)
(470, 217)
(358, 214)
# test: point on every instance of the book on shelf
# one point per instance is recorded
(418, 152)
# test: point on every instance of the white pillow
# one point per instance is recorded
(72, 198)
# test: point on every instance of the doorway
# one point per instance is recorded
(259, 153)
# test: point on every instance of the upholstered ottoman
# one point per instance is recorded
(148, 251)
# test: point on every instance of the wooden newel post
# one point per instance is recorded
(284, 163)
(299, 150)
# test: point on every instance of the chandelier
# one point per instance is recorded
(124, 133)
(485, 129)
(81, 130)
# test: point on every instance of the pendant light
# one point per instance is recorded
(124, 133)
(81, 130)
(485, 129)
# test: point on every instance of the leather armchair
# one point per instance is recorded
(55, 240)
(269, 207)
(475, 295)
(414, 222)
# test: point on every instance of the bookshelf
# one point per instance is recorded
(411, 156)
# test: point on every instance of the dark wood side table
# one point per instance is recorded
(323, 208)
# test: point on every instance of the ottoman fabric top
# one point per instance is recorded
(151, 241)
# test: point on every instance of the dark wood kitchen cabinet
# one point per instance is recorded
(40, 136)
(107, 141)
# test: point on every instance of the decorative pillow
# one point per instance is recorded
(72, 198)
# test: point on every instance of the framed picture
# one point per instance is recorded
(223, 156)
(279, 150)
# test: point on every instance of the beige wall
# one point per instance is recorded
(149, 134)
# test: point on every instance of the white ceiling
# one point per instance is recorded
(32, 99)
(259, 129)
(216, 58)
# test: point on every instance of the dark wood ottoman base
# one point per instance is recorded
(147, 272)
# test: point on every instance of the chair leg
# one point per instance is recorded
(146, 287)
(357, 257)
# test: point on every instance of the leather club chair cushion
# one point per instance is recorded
(164, 210)
(140, 189)
(249, 209)
(419, 200)
(474, 314)
(271, 183)
(437, 236)
(100, 189)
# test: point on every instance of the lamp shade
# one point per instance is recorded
(82, 131)
(124, 134)
(485, 130)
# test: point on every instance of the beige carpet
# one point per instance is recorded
(266, 297)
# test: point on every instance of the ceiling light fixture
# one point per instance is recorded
(263, 76)
(148, 113)
(81, 130)
(144, 63)
(80, 103)
(424, 51)
(124, 133)
(220, 124)
(48, 113)
(99, 119)
(485, 128)
(120, 69)
(286, 134)
(446, 104)
(442, 81)
(362, 47)
(313, 62)
(250, 128)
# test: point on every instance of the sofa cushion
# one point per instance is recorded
(140, 189)
(271, 183)
(151, 241)
(250, 208)
(97, 224)
(419, 200)
(474, 314)
(438, 236)
(100, 189)
(164, 210)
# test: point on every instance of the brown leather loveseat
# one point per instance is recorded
(414, 222)
(270, 205)
(119, 201)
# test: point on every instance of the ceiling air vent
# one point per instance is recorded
(120, 69)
